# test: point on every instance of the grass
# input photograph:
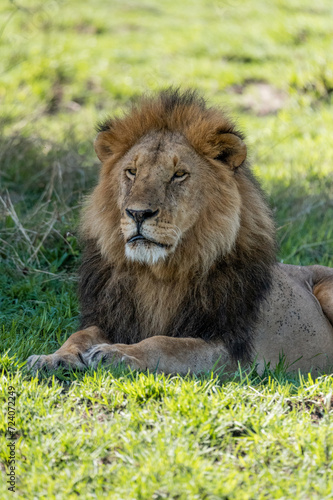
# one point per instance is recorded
(132, 435)
(113, 433)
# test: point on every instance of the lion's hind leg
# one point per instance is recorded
(323, 290)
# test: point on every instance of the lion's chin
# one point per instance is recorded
(146, 253)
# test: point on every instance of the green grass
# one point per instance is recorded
(144, 436)
(115, 434)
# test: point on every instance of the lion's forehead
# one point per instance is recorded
(160, 150)
(154, 162)
(162, 139)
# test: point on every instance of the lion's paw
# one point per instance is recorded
(54, 361)
(108, 354)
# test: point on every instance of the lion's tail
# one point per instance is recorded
(323, 289)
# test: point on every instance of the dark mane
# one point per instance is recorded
(224, 306)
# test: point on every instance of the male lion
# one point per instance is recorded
(179, 272)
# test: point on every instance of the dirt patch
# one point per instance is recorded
(317, 406)
(259, 97)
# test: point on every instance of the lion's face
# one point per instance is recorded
(160, 195)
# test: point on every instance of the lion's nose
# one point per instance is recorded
(139, 216)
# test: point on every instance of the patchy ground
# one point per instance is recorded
(259, 97)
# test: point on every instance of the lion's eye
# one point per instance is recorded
(180, 174)
(131, 173)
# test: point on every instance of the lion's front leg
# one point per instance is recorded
(113, 354)
(162, 354)
(70, 353)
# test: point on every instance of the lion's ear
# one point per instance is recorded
(232, 150)
(102, 146)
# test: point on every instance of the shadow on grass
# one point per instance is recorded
(303, 210)
(42, 187)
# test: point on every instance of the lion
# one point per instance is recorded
(179, 272)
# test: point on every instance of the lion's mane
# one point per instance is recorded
(193, 294)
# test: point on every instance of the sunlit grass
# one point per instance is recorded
(134, 435)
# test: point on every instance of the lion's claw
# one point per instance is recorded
(54, 361)
(105, 354)
(108, 354)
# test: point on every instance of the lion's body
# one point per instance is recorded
(292, 321)
(179, 271)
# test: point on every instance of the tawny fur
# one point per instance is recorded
(195, 284)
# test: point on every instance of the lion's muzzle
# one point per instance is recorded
(139, 216)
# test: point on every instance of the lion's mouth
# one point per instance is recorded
(142, 239)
